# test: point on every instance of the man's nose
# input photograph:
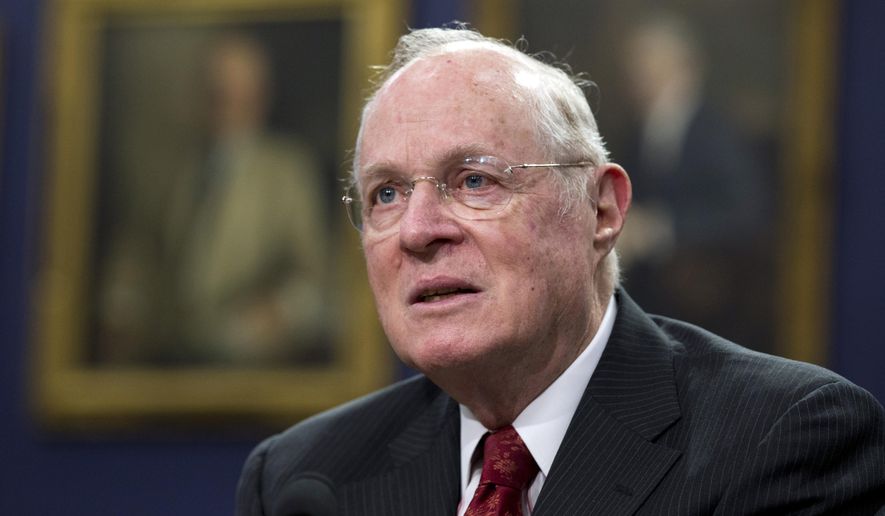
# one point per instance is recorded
(427, 219)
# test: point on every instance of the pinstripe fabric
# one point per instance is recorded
(675, 421)
(393, 452)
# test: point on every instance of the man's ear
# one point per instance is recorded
(613, 192)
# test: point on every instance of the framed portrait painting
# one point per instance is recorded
(721, 112)
(197, 262)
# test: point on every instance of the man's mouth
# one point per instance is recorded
(444, 293)
(438, 289)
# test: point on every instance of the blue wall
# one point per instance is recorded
(41, 474)
(859, 186)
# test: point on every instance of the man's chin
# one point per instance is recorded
(442, 356)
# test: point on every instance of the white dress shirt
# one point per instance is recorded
(543, 423)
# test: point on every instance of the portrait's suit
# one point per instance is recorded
(242, 242)
(674, 421)
(716, 194)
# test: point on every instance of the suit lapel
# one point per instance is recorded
(424, 472)
(608, 462)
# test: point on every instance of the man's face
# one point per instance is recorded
(520, 284)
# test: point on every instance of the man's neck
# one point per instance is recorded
(497, 390)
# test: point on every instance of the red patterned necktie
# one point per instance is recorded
(507, 469)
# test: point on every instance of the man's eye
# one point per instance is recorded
(474, 181)
(385, 195)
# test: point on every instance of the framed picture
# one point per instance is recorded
(721, 114)
(197, 262)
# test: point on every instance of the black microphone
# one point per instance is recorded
(310, 494)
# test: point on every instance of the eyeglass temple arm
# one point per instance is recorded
(554, 165)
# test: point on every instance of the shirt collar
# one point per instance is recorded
(543, 423)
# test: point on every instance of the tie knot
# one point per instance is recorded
(506, 460)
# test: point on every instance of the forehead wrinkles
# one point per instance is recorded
(462, 87)
(448, 81)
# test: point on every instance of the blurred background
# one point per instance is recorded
(752, 131)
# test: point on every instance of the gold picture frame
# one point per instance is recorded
(122, 79)
(800, 126)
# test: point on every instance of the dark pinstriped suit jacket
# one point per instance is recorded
(674, 421)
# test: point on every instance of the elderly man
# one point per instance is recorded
(488, 215)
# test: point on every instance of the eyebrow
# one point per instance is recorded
(443, 160)
(383, 168)
(460, 152)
